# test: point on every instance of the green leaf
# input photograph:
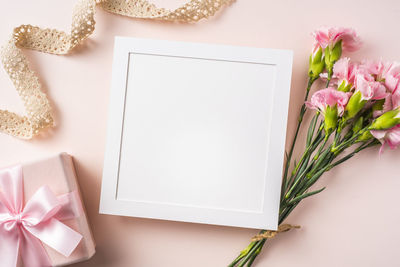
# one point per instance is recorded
(311, 129)
(303, 196)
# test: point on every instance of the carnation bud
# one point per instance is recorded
(345, 86)
(354, 105)
(336, 52)
(386, 121)
(332, 54)
(331, 119)
(317, 64)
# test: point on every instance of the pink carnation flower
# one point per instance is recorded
(328, 37)
(395, 99)
(392, 101)
(345, 71)
(368, 87)
(390, 137)
(392, 77)
(385, 72)
(381, 75)
(328, 97)
(376, 68)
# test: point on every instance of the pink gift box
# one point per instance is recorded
(59, 175)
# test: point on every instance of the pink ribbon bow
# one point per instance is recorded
(23, 229)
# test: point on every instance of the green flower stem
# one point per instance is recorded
(300, 120)
(307, 171)
(326, 166)
(329, 165)
(302, 173)
(310, 132)
(310, 182)
(350, 155)
(244, 252)
(257, 247)
(321, 147)
(296, 177)
(342, 124)
(349, 142)
(319, 161)
(301, 190)
(316, 140)
(309, 144)
(306, 195)
(253, 257)
(327, 83)
(285, 211)
(287, 207)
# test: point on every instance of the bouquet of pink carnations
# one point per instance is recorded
(358, 109)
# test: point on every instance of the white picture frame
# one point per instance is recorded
(196, 132)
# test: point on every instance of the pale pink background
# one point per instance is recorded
(355, 222)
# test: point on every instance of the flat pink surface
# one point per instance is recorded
(354, 222)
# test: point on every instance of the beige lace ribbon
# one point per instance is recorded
(38, 110)
(271, 234)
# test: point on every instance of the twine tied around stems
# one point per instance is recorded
(270, 233)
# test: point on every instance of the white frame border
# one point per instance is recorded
(268, 219)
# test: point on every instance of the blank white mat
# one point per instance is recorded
(196, 132)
